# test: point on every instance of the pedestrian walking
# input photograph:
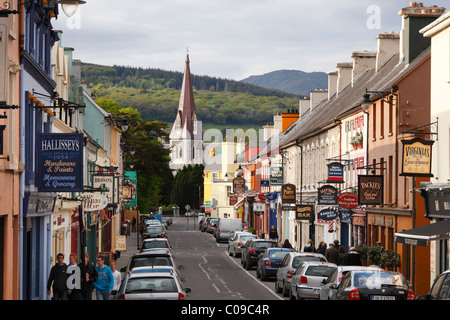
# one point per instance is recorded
(322, 248)
(273, 234)
(342, 256)
(57, 279)
(105, 280)
(74, 293)
(287, 244)
(353, 258)
(117, 278)
(309, 246)
(91, 277)
(332, 253)
(133, 224)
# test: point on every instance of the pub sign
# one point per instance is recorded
(304, 212)
(370, 189)
(327, 195)
(288, 193)
(60, 162)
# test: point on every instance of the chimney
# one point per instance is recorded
(344, 75)
(304, 105)
(416, 17)
(363, 61)
(316, 97)
(388, 46)
(332, 84)
(288, 118)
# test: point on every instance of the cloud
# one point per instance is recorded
(227, 38)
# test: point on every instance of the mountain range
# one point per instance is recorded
(292, 81)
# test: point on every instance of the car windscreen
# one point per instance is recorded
(154, 229)
(377, 280)
(154, 244)
(151, 261)
(319, 271)
(246, 237)
(264, 244)
(277, 254)
(151, 284)
(297, 261)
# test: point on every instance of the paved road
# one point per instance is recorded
(210, 272)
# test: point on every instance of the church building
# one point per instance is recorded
(186, 137)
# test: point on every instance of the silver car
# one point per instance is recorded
(309, 279)
(239, 239)
(152, 283)
(290, 263)
(328, 291)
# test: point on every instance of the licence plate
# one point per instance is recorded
(316, 291)
(383, 298)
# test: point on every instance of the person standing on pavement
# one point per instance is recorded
(74, 294)
(117, 278)
(332, 253)
(91, 277)
(105, 280)
(58, 279)
(273, 234)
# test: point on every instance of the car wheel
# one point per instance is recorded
(263, 277)
(284, 290)
(248, 265)
(291, 296)
(229, 252)
(258, 275)
(277, 287)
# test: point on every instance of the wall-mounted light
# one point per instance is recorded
(70, 6)
(366, 102)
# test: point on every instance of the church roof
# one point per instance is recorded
(186, 107)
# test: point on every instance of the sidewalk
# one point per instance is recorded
(131, 250)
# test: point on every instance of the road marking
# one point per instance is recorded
(250, 275)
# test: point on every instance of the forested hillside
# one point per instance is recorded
(155, 93)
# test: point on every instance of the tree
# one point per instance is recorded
(188, 186)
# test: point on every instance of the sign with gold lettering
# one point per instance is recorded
(417, 158)
(288, 193)
(304, 212)
(60, 162)
(370, 189)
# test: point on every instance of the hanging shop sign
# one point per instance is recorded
(259, 207)
(233, 199)
(348, 200)
(276, 176)
(327, 195)
(345, 215)
(110, 184)
(370, 189)
(94, 201)
(437, 200)
(328, 214)
(288, 193)
(335, 172)
(238, 185)
(304, 212)
(131, 180)
(416, 159)
(60, 162)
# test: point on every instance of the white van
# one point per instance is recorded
(225, 226)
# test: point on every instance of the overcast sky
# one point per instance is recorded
(231, 39)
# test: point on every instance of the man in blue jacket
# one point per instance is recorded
(105, 280)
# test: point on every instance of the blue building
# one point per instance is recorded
(37, 89)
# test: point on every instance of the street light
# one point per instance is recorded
(70, 6)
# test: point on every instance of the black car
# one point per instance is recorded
(253, 250)
(440, 289)
(155, 232)
(373, 285)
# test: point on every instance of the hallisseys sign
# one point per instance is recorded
(60, 162)
(417, 158)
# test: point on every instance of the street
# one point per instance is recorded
(210, 272)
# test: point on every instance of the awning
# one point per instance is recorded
(421, 235)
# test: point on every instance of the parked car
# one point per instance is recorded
(152, 244)
(205, 224)
(237, 241)
(211, 225)
(155, 232)
(309, 279)
(152, 283)
(373, 285)
(149, 259)
(269, 263)
(225, 226)
(253, 250)
(289, 265)
(440, 290)
(327, 292)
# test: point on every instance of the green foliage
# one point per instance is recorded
(377, 255)
(156, 93)
(188, 186)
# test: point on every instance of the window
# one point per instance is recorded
(382, 120)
